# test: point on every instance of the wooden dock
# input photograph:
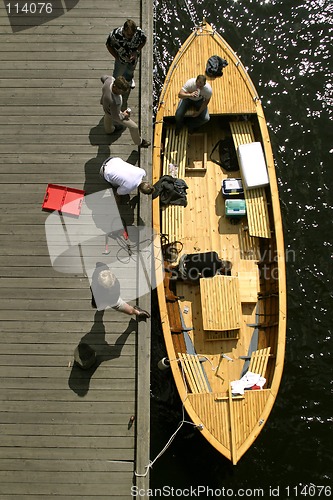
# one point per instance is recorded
(65, 432)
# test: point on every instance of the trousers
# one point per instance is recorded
(110, 126)
(193, 122)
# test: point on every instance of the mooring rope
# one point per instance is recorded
(180, 425)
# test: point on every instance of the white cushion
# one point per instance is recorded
(252, 165)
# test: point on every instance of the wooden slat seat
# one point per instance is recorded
(194, 373)
(174, 153)
(174, 317)
(248, 285)
(178, 342)
(259, 360)
(220, 300)
(256, 201)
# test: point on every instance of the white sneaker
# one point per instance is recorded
(132, 84)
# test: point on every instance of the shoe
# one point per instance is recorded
(132, 84)
(142, 313)
(144, 144)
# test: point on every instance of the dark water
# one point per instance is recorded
(286, 46)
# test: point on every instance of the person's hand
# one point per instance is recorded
(133, 56)
(196, 93)
(126, 115)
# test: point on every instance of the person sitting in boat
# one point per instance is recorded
(124, 176)
(115, 119)
(105, 292)
(196, 92)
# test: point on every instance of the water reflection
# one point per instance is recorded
(286, 47)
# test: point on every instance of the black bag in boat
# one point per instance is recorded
(227, 155)
(215, 65)
(172, 191)
(193, 266)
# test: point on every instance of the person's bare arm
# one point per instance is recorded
(185, 95)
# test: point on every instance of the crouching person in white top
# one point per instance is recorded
(114, 118)
(105, 292)
(125, 177)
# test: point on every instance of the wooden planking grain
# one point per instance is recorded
(57, 121)
(27, 291)
(66, 465)
(67, 477)
(103, 371)
(48, 293)
(51, 138)
(44, 40)
(82, 406)
(52, 429)
(50, 306)
(107, 396)
(46, 112)
(77, 382)
(58, 350)
(110, 490)
(64, 497)
(61, 145)
(115, 360)
(55, 129)
(40, 330)
(50, 454)
(102, 420)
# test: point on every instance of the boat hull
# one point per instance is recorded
(215, 328)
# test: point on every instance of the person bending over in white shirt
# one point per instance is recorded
(125, 177)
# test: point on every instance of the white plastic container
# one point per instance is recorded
(252, 165)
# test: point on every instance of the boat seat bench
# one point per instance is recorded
(175, 154)
(256, 201)
(195, 375)
(259, 360)
(172, 303)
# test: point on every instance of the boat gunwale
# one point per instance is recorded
(281, 335)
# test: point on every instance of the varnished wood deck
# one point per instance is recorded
(64, 432)
(236, 97)
(219, 333)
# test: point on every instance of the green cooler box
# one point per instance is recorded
(235, 208)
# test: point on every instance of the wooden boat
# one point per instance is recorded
(219, 328)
